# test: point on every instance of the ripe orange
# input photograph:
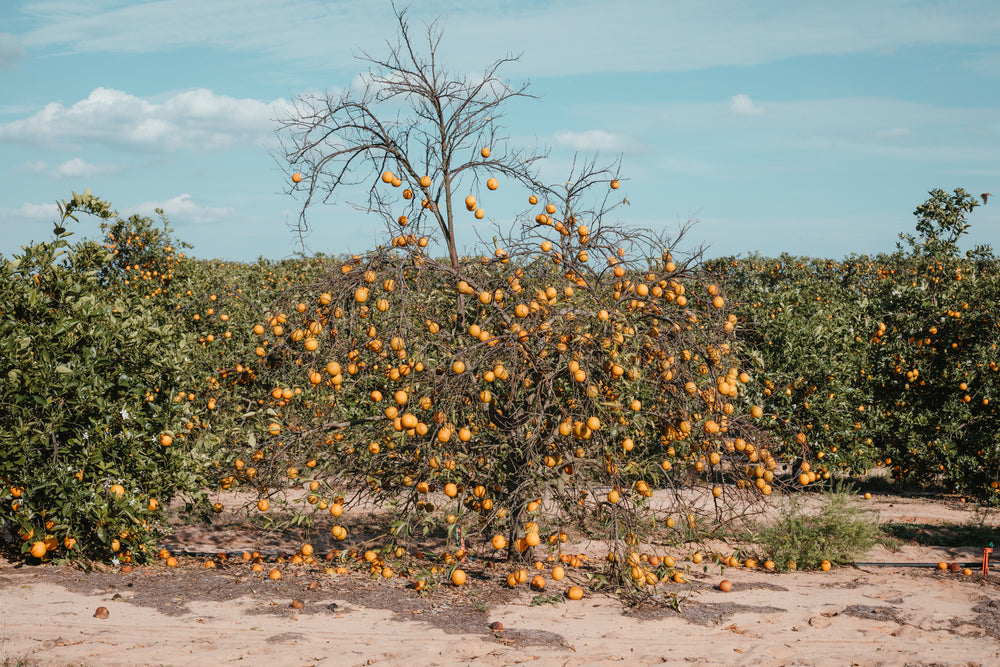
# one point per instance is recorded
(492, 184)
(296, 177)
(725, 585)
(38, 549)
(574, 593)
(825, 566)
(275, 574)
(458, 577)
(615, 184)
(532, 199)
(166, 439)
(485, 152)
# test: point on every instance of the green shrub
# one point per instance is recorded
(837, 532)
(88, 383)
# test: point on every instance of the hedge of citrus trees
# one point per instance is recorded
(888, 360)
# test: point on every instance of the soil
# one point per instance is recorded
(193, 615)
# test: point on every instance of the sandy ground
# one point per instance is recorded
(195, 616)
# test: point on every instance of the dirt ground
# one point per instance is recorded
(189, 615)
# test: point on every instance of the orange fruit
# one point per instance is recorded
(492, 184)
(725, 585)
(574, 593)
(166, 439)
(263, 505)
(275, 574)
(825, 566)
(296, 177)
(485, 152)
(458, 577)
(425, 181)
(615, 184)
(38, 549)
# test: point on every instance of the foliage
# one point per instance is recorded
(86, 394)
(887, 360)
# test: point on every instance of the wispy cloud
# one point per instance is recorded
(36, 167)
(11, 50)
(183, 208)
(590, 141)
(742, 105)
(29, 212)
(194, 120)
(78, 168)
(674, 36)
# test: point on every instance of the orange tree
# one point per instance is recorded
(935, 382)
(887, 360)
(805, 324)
(564, 371)
(87, 454)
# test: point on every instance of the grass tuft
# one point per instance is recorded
(838, 532)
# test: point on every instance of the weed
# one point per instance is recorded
(837, 532)
(545, 598)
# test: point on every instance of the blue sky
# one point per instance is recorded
(792, 126)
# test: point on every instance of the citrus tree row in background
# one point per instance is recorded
(884, 361)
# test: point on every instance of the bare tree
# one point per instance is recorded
(407, 118)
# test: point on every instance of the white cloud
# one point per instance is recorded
(744, 106)
(591, 141)
(29, 212)
(35, 167)
(894, 133)
(78, 168)
(182, 209)
(10, 50)
(192, 120)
